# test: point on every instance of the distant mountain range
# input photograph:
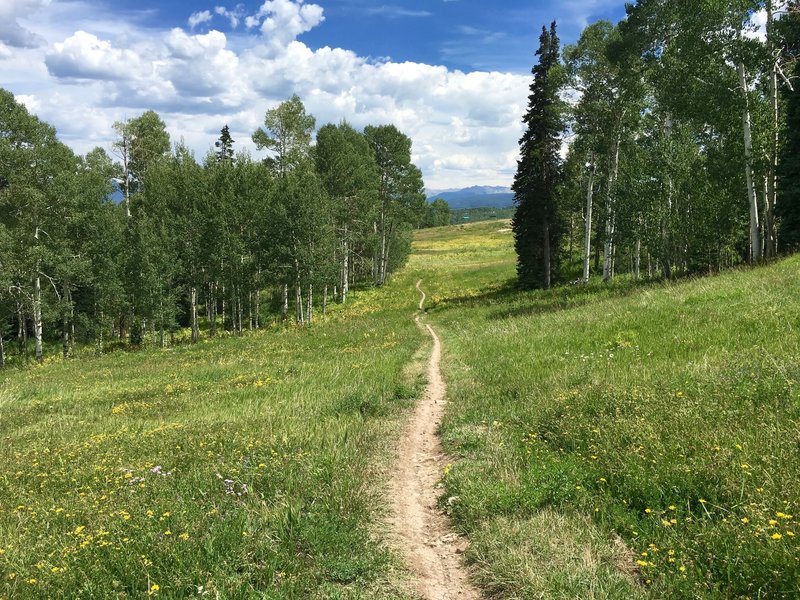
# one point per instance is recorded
(477, 196)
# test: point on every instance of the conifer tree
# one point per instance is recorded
(535, 223)
(224, 145)
(788, 206)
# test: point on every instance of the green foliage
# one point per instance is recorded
(286, 132)
(197, 242)
(536, 225)
(789, 199)
(437, 213)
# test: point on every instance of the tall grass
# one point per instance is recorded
(621, 440)
(236, 468)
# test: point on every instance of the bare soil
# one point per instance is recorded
(432, 551)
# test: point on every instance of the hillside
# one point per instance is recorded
(623, 440)
(608, 441)
(475, 197)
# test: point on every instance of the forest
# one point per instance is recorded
(663, 146)
(218, 239)
(683, 125)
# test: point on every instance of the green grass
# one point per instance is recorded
(234, 468)
(620, 441)
(609, 441)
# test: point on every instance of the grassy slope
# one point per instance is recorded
(584, 420)
(619, 441)
(234, 468)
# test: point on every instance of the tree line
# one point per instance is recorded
(219, 239)
(683, 127)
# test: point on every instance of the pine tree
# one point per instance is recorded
(788, 206)
(224, 145)
(535, 224)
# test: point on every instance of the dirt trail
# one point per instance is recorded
(432, 550)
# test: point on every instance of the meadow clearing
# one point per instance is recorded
(608, 441)
(620, 441)
(234, 468)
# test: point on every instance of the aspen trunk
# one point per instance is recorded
(608, 248)
(298, 304)
(637, 259)
(588, 226)
(2, 352)
(285, 303)
(258, 309)
(195, 329)
(212, 300)
(382, 263)
(755, 236)
(666, 238)
(25, 349)
(770, 200)
(345, 265)
(310, 302)
(223, 308)
(37, 318)
(100, 337)
(324, 302)
(20, 329)
(161, 325)
(65, 321)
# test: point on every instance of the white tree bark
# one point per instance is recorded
(37, 318)
(310, 305)
(345, 265)
(195, 329)
(755, 235)
(587, 248)
(608, 246)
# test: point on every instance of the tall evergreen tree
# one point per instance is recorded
(788, 207)
(224, 145)
(535, 223)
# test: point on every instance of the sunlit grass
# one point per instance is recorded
(235, 468)
(661, 418)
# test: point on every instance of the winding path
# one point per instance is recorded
(432, 550)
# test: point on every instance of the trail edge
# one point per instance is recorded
(432, 551)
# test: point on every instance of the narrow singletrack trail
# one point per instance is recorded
(432, 550)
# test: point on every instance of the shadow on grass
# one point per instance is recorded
(511, 302)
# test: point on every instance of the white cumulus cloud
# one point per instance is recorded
(11, 32)
(84, 56)
(199, 17)
(464, 125)
(281, 21)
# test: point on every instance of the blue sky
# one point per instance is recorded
(452, 74)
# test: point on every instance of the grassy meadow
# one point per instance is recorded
(620, 441)
(236, 468)
(608, 441)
